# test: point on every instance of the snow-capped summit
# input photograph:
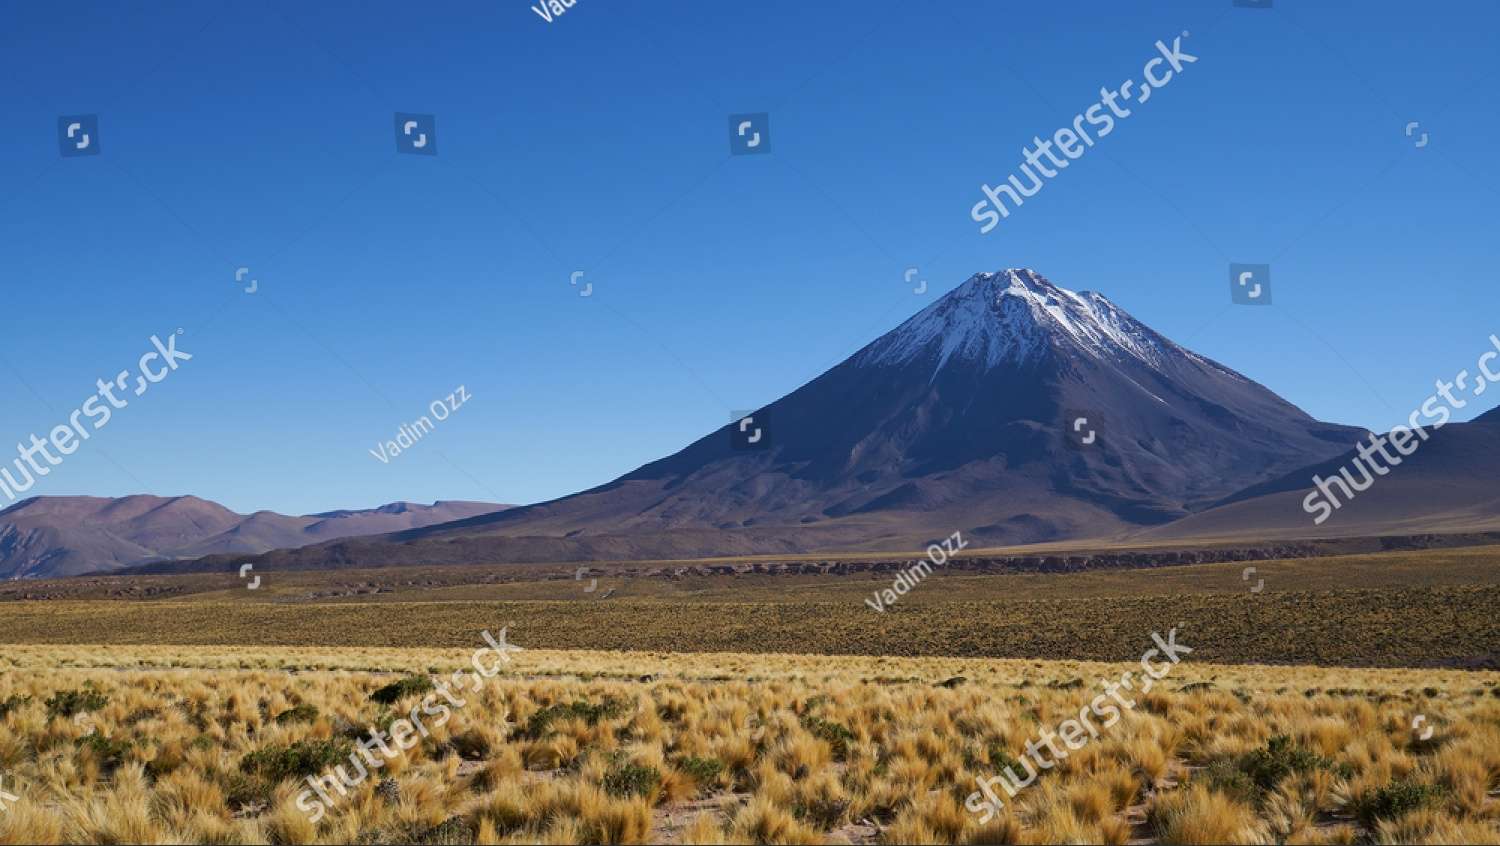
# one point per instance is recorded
(1013, 317)
(961, 414)
(966, 416)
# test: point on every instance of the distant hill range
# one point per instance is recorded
(71, 535)
(1010, 409)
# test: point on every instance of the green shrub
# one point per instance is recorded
(398, 690)
(471, 745)
(141, 715)
(590, 713)
(359, 732)
(454, 830)
(1281, 758)
(704, 771)
(11, 703)
(835, 735)
(304, 713)
(821, 812)
(303, 758)
(66, 703)
(160, 767)
(1392, 801)
(631, 780)
(1225, 776)
(241, 789)
(1000, 758)
(110, 753)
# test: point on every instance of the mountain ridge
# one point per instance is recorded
(72, 535)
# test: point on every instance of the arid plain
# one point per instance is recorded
(1338, 699)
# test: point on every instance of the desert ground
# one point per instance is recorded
(1342, 699)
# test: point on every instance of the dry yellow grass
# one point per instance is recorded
(730, 748)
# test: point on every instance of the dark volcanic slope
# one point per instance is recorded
(956, 420)
(1447, 485)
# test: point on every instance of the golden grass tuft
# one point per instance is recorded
(1198, 815)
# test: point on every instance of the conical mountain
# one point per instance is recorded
(1010, 409)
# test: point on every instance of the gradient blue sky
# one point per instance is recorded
(260, 135)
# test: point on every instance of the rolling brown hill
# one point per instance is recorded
(72, 535)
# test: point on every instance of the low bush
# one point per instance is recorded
(303, 713)
(1394, 800)
(1281, 758)
(398, 690)
(303, 758)
(11, 703)
(837, 736)
(109, 752)
(540, 722)
(631, 780)
(66, 703)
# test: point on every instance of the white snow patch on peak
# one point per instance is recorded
(1011, 317)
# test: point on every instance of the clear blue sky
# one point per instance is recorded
(261, 135)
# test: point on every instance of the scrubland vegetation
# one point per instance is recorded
(1441, 626)
(211, 744)
(1392, 609)
(770, 709)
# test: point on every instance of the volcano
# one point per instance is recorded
(1010, 409)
